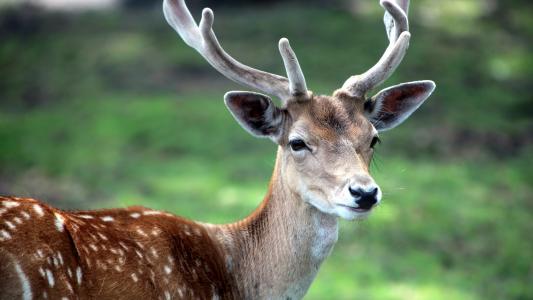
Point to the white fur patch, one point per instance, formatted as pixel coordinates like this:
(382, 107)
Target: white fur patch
(107, 219)
(4, 235)
(50, 278)
(38, 209)
(152, 212)
(168, 270)
(10, 204)
(59, 222)
(78, 275)
(24, 282)
(25, 215)
(10, 225)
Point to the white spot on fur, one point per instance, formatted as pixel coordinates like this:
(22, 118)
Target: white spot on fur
(41, 271)
(10, 204)
(123, 246)
(135, 215)
(25, 215)
(103, 237)
(138, 253)
(152, 213)
(17, 220)
(50, 278)
(167, 295)
(94, 247)
(134, 277)
(4, 235)
(45, 295)
(154, 252)
(107, 219)
(168, 270)
(118, 268)
(69, 287)
(139, 244)
(141, 232)
(86, 217)
(69, 272)
(60, 257)
(38, 209)
(10, 225)
(60, 222)
(78, 275)
(26, 288)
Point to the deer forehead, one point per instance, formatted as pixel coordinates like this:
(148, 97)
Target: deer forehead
(334, 120)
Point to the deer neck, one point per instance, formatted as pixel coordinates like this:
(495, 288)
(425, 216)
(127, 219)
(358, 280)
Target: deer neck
(276, 252)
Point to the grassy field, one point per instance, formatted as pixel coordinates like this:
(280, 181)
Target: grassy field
(111, 109)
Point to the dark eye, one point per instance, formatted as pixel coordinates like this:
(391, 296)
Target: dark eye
(375, 140)
(298, 145)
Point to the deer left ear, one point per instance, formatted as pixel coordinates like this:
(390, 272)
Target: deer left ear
(391, 106)
(256, 113)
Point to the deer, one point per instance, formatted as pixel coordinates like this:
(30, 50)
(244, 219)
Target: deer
(321, 175)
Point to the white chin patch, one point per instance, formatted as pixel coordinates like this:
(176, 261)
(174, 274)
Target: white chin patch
(351, 215)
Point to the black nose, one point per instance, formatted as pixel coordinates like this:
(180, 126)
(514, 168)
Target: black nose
(365, 199)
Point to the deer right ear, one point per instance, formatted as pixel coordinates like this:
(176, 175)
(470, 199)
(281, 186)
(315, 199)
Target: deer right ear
(391, 106)
(256, 113)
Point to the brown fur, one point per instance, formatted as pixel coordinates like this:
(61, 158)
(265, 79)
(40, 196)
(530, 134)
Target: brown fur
(128, 257)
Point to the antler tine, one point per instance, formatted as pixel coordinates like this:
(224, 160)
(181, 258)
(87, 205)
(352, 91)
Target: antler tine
(395, 18)
(203, 39)
(298, 86)
(397, 28)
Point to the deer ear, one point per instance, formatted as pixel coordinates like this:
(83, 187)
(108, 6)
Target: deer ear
(391, 106)
(256, 113)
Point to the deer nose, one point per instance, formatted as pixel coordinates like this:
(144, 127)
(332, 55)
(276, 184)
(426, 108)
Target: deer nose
(365, 199)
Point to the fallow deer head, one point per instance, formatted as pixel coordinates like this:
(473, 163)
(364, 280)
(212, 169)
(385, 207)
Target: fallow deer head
(325, 143)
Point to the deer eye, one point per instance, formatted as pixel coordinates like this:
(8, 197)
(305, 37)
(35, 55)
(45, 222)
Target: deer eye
(375, 140)
(298, 145)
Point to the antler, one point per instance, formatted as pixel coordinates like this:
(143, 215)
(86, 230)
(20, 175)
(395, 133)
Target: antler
(202, 38)
(397, 28)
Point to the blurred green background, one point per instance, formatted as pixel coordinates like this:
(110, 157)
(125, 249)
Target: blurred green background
(108, 107)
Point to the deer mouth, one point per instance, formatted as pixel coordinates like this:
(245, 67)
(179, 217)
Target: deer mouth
(356, 209)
